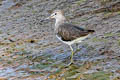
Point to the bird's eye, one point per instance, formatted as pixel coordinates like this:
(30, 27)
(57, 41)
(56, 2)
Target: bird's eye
(55, 13)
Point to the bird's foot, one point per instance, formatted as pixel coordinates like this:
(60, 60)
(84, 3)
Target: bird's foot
(71, 63)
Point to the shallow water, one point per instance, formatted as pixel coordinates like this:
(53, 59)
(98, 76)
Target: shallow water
(30, 51)
(5, 4)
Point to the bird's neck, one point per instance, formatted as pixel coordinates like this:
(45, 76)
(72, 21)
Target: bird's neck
(59, 21)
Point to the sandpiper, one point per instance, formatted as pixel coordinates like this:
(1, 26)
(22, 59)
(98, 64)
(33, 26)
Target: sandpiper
(68, 33)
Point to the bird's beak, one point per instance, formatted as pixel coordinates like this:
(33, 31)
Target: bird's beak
(46, 19)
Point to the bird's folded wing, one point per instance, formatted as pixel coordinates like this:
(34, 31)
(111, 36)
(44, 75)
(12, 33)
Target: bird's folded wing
(69, 32)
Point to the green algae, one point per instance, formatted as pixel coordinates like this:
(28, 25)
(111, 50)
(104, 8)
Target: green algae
(80, 2)
(98, 76)
(99, 39)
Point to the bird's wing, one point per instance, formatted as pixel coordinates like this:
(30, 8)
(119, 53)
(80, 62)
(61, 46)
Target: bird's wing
(69, 32)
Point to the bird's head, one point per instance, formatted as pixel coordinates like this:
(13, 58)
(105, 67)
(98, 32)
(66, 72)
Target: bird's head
(56, 14)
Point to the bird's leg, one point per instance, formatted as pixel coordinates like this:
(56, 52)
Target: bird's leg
(71, 61)
(77, 47)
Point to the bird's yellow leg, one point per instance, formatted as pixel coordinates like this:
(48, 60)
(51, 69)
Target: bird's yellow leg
(72, 56)
(72, 53)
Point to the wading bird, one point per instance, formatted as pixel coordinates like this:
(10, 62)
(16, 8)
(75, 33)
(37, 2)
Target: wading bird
(68, 33)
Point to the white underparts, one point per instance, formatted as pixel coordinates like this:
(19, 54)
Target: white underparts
(78, 40)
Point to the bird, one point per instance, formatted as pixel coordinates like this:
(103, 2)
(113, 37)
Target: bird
(66, 32)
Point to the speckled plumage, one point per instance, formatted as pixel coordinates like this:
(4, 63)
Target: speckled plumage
(69, 32)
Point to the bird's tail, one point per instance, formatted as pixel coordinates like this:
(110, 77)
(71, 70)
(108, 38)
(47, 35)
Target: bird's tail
(91, 31)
